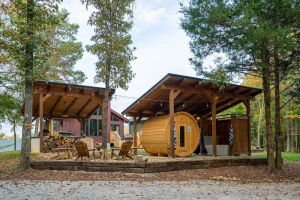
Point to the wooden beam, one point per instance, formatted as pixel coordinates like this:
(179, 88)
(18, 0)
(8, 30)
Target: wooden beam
(41, 109)
(171, 152)
(222, 107)
(55, 104)
(69, 94)
(70, 105)
(83, 107)
(214, 125)
(135, 134)
(178, 104)
(192, 107)
(206, 92)
(60, 116)
(47, 96)
(176, 93)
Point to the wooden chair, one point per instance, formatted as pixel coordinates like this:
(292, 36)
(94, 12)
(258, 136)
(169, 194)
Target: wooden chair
(82, 150)
(123, 151)
(90, 144)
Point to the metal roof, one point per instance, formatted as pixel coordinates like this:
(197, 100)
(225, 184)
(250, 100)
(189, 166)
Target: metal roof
(192, 97)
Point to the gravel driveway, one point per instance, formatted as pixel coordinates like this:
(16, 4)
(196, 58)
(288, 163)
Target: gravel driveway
(204, 189)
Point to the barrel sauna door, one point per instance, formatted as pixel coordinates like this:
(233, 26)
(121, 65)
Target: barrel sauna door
(183, 135)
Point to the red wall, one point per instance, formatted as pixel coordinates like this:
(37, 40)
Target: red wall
(73, 125)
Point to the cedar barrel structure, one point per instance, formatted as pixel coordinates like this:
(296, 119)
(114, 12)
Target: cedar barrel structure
(155, 134)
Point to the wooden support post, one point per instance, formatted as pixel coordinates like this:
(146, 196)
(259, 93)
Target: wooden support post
(41, 109)
(171, 151)
(108, 120)
(247, 104)
(214, 124)
(135, 134)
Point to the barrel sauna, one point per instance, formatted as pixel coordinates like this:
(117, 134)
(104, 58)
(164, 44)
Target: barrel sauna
(155, 134)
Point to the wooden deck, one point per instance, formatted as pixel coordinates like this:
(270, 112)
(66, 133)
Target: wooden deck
(154, 165)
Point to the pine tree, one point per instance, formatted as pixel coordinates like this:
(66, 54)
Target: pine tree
(112, 45)
(246, 35)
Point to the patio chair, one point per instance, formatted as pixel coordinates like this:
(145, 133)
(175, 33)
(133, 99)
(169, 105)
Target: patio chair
(82, 150)
(123, 151)
(90, 144)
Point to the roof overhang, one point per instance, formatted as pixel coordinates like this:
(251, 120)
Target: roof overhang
(193, 95)
(63, 100)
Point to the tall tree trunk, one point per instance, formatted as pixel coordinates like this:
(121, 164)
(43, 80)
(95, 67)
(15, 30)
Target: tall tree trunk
(288, 135)
(260, 121)
(15, 136)
(267, 99)
(105, 114)
(278, 146)
(28, 66)
(292, 141)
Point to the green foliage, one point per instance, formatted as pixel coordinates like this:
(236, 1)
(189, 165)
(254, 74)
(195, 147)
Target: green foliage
(56, 51)
(239, 31)
(112, 41)
(55, 47)
(238, 109)
(10, 108)
(112, 21)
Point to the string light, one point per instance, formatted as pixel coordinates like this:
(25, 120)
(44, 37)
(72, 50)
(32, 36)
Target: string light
(158, 100)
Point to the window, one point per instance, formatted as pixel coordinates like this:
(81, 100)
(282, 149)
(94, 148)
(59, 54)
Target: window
(94, 127)
(114, 119)
(115, 128)
(182, 136)
(57, 125)
(97, 112)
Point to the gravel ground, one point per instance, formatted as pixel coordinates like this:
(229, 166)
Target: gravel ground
(204, 189)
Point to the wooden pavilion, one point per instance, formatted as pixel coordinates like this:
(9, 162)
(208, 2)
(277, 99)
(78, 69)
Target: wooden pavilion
(201, 98)
(63, 100)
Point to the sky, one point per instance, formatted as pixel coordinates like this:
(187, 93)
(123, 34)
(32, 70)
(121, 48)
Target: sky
(161, 46)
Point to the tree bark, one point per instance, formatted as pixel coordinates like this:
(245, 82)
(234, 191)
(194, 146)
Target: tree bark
(105, 114)
(278, 146)
(28, 66)
(267, 99)
(15, 136)
(259, 123)
(288, 135)
(292, 141)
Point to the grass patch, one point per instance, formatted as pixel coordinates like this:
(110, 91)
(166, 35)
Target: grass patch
(9, 162)
(10, 155)
(287, 156)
